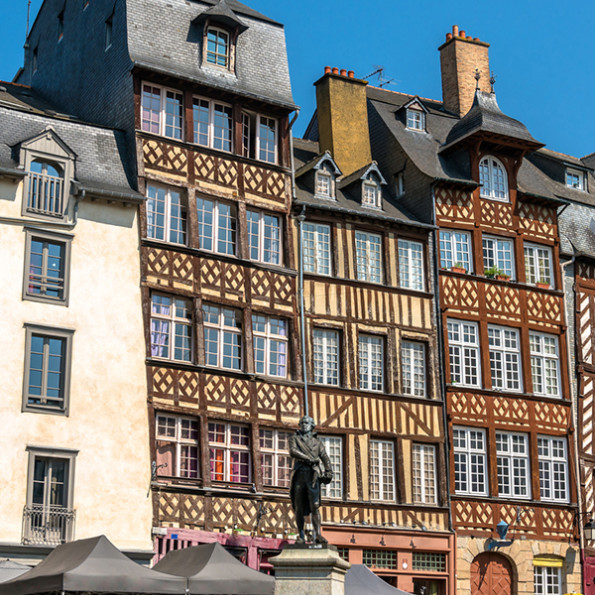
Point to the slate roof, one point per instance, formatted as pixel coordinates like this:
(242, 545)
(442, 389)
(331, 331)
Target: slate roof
(347, 201)
(100, 165)
(262, 71)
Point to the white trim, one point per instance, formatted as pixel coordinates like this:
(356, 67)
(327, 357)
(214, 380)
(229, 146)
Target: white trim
(463, 349)
(494, 187)
(471, 456)
(499, 344)
(517, 464)
(552, 466)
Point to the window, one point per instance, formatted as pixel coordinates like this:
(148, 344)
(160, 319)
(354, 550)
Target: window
(166, 215)
(470, 461)
(400, 184)
(416, 119)
(538, 264)
(553, 468)
(505, 358)
(380, 558)
(547, 580)
(217, 226)
(47, 267)
(259, 137)
(316, 248)
(413, 368)
(492, 179)
(411, 264)
(498, 256)
(171, 328)
(177, 446)
(423, 476)
(109, 26)
(326, 356)
(368, 247)
(223, 337)
(270, 345)
(512, 452)
(45, 189)
(275, 461)
(429, 561)
(162, 111)
(455, 249)
(324, 184)
(264, 237)
(334, 449)
(576, 179)
(48, 515)
(371, 362)
(545, 364)
(47, 369)
(382, 470)
(463, 352)
(217, 47)
(229, 452)
(212, 124)
(370, 194)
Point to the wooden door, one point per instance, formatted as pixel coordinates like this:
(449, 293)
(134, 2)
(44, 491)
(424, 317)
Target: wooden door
(491, 574)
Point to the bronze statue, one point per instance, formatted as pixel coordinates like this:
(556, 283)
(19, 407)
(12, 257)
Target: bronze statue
(311, 467)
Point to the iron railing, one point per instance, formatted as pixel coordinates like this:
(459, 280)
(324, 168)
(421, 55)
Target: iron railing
(46, 195)
(48, 525)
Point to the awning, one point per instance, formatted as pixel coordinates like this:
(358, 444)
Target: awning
(360, 580)
(10, 570)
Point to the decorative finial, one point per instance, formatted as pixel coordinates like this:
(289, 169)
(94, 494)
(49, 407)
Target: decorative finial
(477, 77)
(492, 81)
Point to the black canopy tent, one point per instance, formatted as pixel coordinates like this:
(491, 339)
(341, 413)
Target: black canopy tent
(210, 569)
(360, 580)
(92, 565)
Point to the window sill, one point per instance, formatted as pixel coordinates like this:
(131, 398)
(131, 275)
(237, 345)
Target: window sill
(501, 393)
(504, 500)
(511, 282)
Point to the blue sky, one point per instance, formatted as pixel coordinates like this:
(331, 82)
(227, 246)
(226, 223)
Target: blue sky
(542, 52)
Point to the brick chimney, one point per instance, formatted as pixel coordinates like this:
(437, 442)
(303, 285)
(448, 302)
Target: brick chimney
(343, 119)
(460, 56)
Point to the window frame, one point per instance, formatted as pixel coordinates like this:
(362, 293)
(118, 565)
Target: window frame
(385, 453)
(463, 345)
(168, 214)
(174, 323)
(179, 442)
(227, 34)
(496, 240)
(162, 122)
(543, 357)
(581, 179)
(221, 328)
(452, 250)
(370, 383)
(544, 584)
(337, 482)
(371, 194)
(259, 149)
(323, 173)
(417, 124)
(424, 497)
(406, 261)
(269, 339)
(553, 470)
(492, 193)
(512, 470)
(212, 105)
(317, 249)
(48, 332)
(218, 233)
(411, 373)
(468, 452)
(261, 236)
(227, 446)
(277, 453)
(366, 270)
(325, 361)
(32, 234)
(505, 352)
(530, 253)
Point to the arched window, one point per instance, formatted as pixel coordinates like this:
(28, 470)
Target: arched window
(493, 179)
(46, 188)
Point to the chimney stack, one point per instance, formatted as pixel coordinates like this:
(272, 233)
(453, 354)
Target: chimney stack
(460, 56)
(343, 119)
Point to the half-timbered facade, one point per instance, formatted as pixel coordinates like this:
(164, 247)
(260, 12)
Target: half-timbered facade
(371, 350)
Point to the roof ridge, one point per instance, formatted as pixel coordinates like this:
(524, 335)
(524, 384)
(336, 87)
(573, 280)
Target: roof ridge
(407, 94)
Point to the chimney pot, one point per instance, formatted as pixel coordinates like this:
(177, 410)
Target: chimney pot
(343, 72)
(448, 36)
(462, 34)
(327, 70)
(335, 70)
(351, 74)
(455, 30)
(477, 39)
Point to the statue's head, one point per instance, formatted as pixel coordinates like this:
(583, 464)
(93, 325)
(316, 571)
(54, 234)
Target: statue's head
(307, 424)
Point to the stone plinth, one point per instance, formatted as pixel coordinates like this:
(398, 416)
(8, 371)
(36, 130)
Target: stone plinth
(300, 570)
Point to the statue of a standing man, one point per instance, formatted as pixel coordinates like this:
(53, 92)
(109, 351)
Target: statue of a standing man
(311, 467)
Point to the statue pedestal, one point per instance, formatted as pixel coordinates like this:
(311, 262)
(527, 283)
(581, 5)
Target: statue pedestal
(302, 569)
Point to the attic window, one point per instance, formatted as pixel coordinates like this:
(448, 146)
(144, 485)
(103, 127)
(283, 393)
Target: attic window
(324, 184)
(217, 47)
(575, 179)
(493, 179)
(370, 194)
(416, 119)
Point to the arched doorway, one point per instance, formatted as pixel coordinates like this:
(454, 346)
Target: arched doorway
(491, 574)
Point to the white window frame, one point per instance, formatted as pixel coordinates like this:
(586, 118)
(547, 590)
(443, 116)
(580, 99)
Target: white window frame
(223, 32)
(541, 363)
(162, 123)
(269, 156)
(229, 446)
(470, 457)
(416, 120)
(462, 352)
(424, 482)
(271, 343)
(493, 183)
(452, 242)
(316, 248)
(413, 368)
(513, 465)
(382, 470)
(180, 425)
(553, 469)
(576, 179)
(371, 351)
(223, 332)
(274, 455)
(211, 138)
(547, 580)
(368, 255)
(174, 324)
(258, 241)
(505, 358)
(326, 356)
(333, 445)
(411, 265)
(218, 234)
(371, 194)
(174, 210)
(539, 264)
(493, 248)
(327, 189)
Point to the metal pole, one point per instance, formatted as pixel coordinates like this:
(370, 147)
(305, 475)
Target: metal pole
(301, 217)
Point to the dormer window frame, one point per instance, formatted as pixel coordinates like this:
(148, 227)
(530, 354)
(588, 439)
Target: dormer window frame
(219, 32)
(324, 189)
(371, 194)
(576, 179)
(491, 186)
(416, 120)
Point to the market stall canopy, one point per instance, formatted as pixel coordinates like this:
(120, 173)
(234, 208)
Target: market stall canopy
(210, 569)
(10, 570)
(92, 565)
(360, 580)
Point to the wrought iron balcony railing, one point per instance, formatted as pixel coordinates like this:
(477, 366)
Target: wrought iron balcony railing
(46, 195)
(48, 525)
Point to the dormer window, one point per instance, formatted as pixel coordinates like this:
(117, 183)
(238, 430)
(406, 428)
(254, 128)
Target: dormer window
(325, 187)
(493, 179)
(45, 194)
(576, 179)
(370, 194)
(217, 47)
(416, 119)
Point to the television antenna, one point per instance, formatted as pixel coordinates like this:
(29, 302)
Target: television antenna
(382, 80)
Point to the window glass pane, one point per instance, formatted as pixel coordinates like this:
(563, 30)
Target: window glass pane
(316, 248)
(371, 362)
(173, 114)
(151, 108)
(413, 368)
(326, 356)
(368, 256)
(334, 450)
(411, 270)
(267, 138)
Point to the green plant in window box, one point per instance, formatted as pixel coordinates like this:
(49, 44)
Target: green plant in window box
(458, 267)
(542, 284)
(493, 272)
